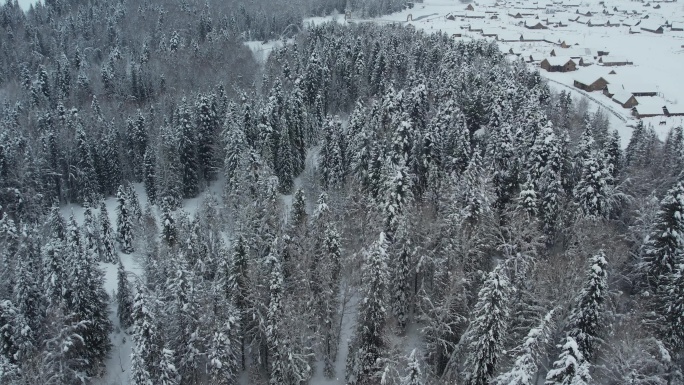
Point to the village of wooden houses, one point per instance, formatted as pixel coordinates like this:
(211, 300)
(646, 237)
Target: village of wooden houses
(627, 56)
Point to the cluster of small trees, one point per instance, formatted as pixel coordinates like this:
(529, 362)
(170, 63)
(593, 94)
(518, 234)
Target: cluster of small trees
(433, 188)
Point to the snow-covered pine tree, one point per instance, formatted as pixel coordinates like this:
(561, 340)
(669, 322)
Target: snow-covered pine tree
(235, 144)
(285, 165)
(585, 320)
(169, 169)
(297, 118)
(397, 196)
(91, 238)
(593, 190)
(571, 368)
(124, 298)
(168, 375)
(237, 290)
(401, 275)
(505, 178)
(88, 187)
(526, 365)
(124, 225)
(673, 307)
(146, 339)
(366, 346)
(488, 328)
(414, 376)
(331, 157)
(169, 232)
(673, 157)
(29, 295)
(207, 132)
(299, 215)
(665, 240)
(189, 163)
(149, 174)
(15, 334)
(614, 156)
(183, 320)
(224, 350)
(61, 358)
(133, 203)
(86, 300)
(107, 250)
(275, 334)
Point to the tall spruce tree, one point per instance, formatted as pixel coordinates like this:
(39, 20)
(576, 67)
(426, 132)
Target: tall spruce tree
(488, 328)
(368, 341)
(107, 250)
(124, 224)
(571, 368)
(665, 240)
(585, 320)
(124, 298)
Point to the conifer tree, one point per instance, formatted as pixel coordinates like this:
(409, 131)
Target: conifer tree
(299, 215)
(585, 320)
(124, 298)
(571, 368)
(673, 307)
(107, 251)
(168, 375)
(189, 164)
(149, 176)
(665, 240)
(146, 337)
(592, 191)
(135, 211)
(124, 225)
(90, 235)
(285, 165)
(224, 361)
(397, 196)
(88, 186)
(330, 160)
(235, 142)
(413, 372)
(365, 348)
(401, 276)
(238, 289)
(526, 365)
(488, 328)
(207, 131)
(169, 231)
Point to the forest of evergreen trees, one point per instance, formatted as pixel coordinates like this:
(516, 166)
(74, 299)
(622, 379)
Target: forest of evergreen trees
(433, 189)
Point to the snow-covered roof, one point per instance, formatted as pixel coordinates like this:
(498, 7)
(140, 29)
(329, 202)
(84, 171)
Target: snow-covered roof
(651, 25)
(632, 87)
(475, 15)
(648, 107)
(509, 36)
(587, 78)
(610, 59)
(622, 97)
(575, 52)
(595, 21)
(675, 109)
(559, 60)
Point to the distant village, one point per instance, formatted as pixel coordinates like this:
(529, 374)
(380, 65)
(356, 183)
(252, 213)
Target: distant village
(536, 32)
